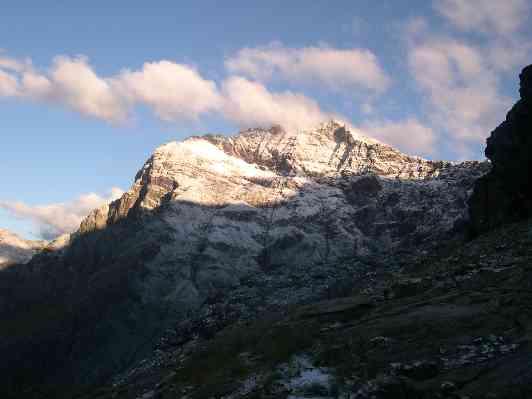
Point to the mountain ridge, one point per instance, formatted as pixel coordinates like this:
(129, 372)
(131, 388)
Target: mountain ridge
(329, 151)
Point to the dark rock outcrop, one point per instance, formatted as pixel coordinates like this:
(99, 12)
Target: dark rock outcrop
(505, 194)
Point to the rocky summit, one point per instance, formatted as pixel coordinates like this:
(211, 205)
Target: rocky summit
(281, 264)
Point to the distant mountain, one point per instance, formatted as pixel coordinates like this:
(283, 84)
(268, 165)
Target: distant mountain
(14, 249)
(219, 229)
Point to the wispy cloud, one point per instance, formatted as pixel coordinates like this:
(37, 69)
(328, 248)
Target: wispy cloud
(8, 84)
(408, 135)
(333, 68)
(55, 219)
(499, 25)
(461, 88)
(493, 17)
(12, 64)
(70, 82)
(460, 69)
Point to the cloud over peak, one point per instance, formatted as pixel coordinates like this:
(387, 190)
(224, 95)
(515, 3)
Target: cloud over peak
(408, 135)
(174, 92)
(336, 69)
(250, 104)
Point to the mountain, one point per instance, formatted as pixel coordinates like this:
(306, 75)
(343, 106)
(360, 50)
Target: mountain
(14, 249)
(268, 216)
(217, 230)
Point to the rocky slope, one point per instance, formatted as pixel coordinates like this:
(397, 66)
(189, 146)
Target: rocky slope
(16, 250)
(217, 230)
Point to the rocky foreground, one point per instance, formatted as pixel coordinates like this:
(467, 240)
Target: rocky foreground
(284, 264)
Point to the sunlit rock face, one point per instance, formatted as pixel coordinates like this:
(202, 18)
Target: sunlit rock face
(15, 250)
(266, 199)
(505, 194)
(221, 170)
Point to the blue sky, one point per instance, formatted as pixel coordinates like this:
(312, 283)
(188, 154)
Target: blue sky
(89, 89)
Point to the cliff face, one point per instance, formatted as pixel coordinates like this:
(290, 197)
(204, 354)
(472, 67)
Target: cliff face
(505, 194)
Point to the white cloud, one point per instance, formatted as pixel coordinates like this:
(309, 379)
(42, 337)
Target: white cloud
(509, 55)
(499, 23)
(13, 64)
(173, 91)
(55, 219)
(8, 84)
(75, 84)
(460, 85)
(70, 82)
(37, 86)
(250, 104)
(335, 68)
(499, 17)
(408, 135)
(461, 76)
